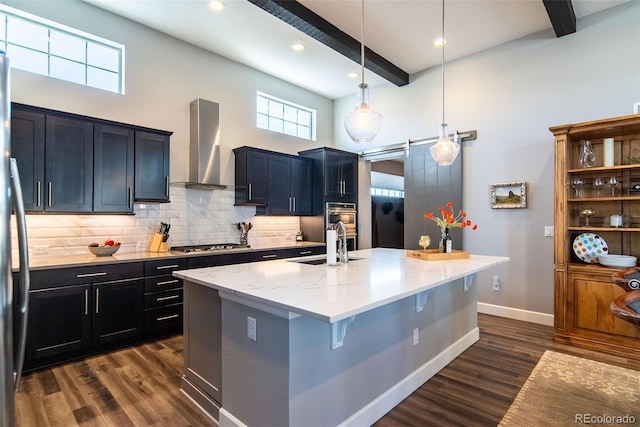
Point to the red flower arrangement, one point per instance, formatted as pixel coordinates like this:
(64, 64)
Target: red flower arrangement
(448, 220)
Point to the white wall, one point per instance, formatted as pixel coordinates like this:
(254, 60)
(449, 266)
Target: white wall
(511, 95)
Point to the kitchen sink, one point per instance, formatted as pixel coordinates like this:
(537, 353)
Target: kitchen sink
(318, 261)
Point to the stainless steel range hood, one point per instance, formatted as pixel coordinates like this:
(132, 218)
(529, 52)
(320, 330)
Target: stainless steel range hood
(204, 145)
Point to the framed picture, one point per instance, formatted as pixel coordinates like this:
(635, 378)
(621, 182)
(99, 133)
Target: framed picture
(509, 196)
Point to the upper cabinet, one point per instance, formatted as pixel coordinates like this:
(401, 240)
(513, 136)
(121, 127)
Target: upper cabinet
(251, 176)
(70, 163)
(277, 183)
(152, 167)
(113, 169)
(597, 212)
(335, 176)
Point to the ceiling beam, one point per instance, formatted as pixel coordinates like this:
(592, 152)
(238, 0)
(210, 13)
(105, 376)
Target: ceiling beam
(561, 15)
(312, 24)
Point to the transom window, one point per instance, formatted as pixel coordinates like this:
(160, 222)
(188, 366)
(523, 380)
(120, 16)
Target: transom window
(44, 47)
(285, 117)
(384, 192)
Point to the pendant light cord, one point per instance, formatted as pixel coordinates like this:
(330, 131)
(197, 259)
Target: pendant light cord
(443, 43)
(362, 40)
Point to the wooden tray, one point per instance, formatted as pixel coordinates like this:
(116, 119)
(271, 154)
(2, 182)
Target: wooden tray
(434, 255)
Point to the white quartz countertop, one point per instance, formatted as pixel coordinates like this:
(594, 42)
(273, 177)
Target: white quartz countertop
(334, 293)
(75, 260)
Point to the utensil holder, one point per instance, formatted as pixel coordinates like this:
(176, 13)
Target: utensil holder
(157, 245)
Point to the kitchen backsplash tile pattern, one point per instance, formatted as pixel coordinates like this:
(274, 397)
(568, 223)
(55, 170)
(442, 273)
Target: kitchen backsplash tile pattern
(196, 217)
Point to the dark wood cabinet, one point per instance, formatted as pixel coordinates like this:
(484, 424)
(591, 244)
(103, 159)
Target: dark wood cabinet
(59, 322)
(251, 176)
(27, 146)
(151, 166)
(163, 296)
(68, 165)
(113, 169)
(335, 176)
(118, 310)
(289, 186)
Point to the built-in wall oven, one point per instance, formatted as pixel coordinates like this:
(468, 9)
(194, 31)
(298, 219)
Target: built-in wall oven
(347, 213)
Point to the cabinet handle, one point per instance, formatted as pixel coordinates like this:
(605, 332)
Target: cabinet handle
(49, 195)
(290, 210)
(305, 252)
(38, 193)
(173, 316)
(166, 186)
(167, 282)
(269, 256)
(86, 302)
(164, 267)
(294, 204)
(167, 298)
(130, 198)
(80, 276)
(98, 301)
(249, 191)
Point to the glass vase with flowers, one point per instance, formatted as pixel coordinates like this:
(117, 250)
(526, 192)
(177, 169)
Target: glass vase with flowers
(449, 220)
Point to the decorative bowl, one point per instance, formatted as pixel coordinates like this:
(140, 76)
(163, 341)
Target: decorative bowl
(103, 250)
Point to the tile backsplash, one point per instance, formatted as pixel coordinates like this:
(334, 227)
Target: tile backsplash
(196, 217)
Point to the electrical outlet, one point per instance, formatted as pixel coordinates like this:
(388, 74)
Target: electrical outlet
(495, 282)
(416, 336)
(548, 231)
(251, 328)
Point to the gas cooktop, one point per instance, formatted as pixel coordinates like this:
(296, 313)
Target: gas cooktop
(208, 247)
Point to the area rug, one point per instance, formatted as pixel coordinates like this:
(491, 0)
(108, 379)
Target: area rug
(565, 390)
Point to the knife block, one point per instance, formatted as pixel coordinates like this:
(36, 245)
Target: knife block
(157, 245)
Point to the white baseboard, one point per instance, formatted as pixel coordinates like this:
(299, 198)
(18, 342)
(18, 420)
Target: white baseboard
(373, 411)
(516, 313)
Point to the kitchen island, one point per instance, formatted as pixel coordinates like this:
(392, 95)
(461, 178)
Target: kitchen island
(288, 342)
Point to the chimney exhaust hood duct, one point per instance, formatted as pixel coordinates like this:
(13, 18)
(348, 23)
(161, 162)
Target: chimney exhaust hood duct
(204, 145)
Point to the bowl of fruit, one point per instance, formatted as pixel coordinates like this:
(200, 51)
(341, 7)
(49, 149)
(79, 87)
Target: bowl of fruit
(109, 248)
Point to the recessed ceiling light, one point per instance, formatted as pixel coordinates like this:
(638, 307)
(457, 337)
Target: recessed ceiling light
(298, 47)
(352, 76)
(440, 42)
(216, 5)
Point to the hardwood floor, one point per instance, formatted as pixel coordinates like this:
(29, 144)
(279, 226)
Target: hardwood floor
(139, 386)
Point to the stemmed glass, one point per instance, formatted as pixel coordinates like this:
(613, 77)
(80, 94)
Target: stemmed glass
(577, 184)
(598, 183)
(424, 241)
(613, 183)
(586, 213)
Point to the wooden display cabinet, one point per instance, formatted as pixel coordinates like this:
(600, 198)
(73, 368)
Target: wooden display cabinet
(584, 291)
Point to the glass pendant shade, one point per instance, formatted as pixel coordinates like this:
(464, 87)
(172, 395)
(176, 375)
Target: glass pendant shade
(363, 124)
(445, 151)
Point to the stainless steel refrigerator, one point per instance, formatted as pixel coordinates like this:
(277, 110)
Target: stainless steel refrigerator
(13, 299)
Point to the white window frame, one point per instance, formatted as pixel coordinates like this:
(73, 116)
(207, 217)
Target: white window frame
(86, 37)
(268, 117)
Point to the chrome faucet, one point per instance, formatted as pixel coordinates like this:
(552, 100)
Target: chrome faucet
(341, 235)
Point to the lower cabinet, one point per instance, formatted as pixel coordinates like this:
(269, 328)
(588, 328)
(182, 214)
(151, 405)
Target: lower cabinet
(117, 310)
(163, 312)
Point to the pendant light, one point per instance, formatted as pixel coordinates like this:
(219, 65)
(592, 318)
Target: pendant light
(362, 124)
(445, 151)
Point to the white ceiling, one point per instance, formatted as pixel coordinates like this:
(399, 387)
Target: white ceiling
(402, 31)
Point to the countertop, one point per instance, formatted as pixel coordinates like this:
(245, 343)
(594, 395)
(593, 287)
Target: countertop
(334, 293)
(42, 262)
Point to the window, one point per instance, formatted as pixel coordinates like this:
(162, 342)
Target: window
(285, 117)
(387, 193)
(44, 47)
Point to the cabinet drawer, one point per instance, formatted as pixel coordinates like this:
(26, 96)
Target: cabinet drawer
(164, 266)
(163, 318)
(159, 299)
(297, 252)
(267, 255)
(48, 278)
(161, 283)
